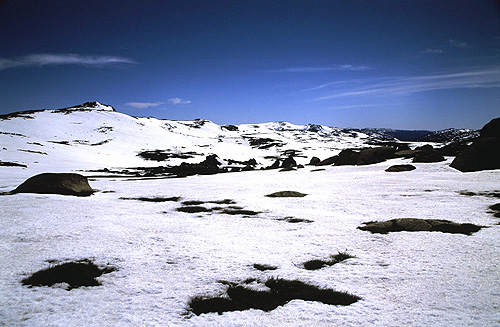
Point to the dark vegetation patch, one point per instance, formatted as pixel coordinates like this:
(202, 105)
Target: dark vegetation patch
(294, 220)
(162, 155)
(491, 194)
(193, 209)
(100, 143)
(496, 210)
(12, 164)
(495, 207)
(286, 194)
(262, 267)
(419, 225)
(334, 259)
(20, 114)
(192, 203)
(33, 151)
(60, 142)
(279, 292)
(75, 274)
(12, 134)
(263, 142)
(155, 199)
(243, 212)
(225, 201)
(399, 168)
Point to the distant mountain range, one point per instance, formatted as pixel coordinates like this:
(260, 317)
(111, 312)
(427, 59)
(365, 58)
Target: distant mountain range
(442, 136)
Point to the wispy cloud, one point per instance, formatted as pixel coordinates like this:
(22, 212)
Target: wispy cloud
(485, 77)
(432, 51)
(144, 105)
(320, 69)
(458, 44)
(178, 101)
(62, 59)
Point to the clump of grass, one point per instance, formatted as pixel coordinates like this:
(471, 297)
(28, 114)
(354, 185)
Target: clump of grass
(75, 274)
(334, 259)
(279, 292)
(264, 267)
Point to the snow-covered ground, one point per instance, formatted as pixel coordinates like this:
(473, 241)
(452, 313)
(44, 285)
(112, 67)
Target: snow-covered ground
(165, 257)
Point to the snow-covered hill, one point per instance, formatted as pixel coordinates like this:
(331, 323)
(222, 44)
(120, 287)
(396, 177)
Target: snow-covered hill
(95, 136)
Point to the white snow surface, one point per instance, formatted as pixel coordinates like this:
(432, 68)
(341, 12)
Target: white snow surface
(165, 257)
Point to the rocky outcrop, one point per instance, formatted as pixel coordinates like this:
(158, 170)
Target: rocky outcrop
(483, 153)
(56, 183)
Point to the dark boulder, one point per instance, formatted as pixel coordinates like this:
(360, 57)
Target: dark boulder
(482, 154)
(327, 161)
(275, 165)
(314, 161)
(375, 155)
(427, 155)
(289, 163)
(399, 168)
(491, 129)
(347, 157)
(56, 183)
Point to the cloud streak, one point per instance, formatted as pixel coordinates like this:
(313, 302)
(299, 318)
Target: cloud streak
(321, 69)
(62, 59)
(458, 44)
(176, 101)
(144, 105)
(486, 77)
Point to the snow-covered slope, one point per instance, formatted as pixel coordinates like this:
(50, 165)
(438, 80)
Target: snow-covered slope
(94, 136)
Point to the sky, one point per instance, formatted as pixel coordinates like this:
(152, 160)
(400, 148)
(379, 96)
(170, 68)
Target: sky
(419, 64)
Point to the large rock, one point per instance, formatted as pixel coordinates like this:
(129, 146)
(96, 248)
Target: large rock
(347, 157)
(375, 155)
(427, 156)
(483, 153)
(492, 129)
(56, 183)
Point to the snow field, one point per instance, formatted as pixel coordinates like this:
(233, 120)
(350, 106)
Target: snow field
(165, 257)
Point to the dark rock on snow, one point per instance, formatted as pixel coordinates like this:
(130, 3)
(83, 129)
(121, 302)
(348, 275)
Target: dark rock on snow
(286, 194)
(314, 161)
(56, 183)
(399, 168)
(483, 153)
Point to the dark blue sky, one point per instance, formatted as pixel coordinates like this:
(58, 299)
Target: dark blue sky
(394, 63)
